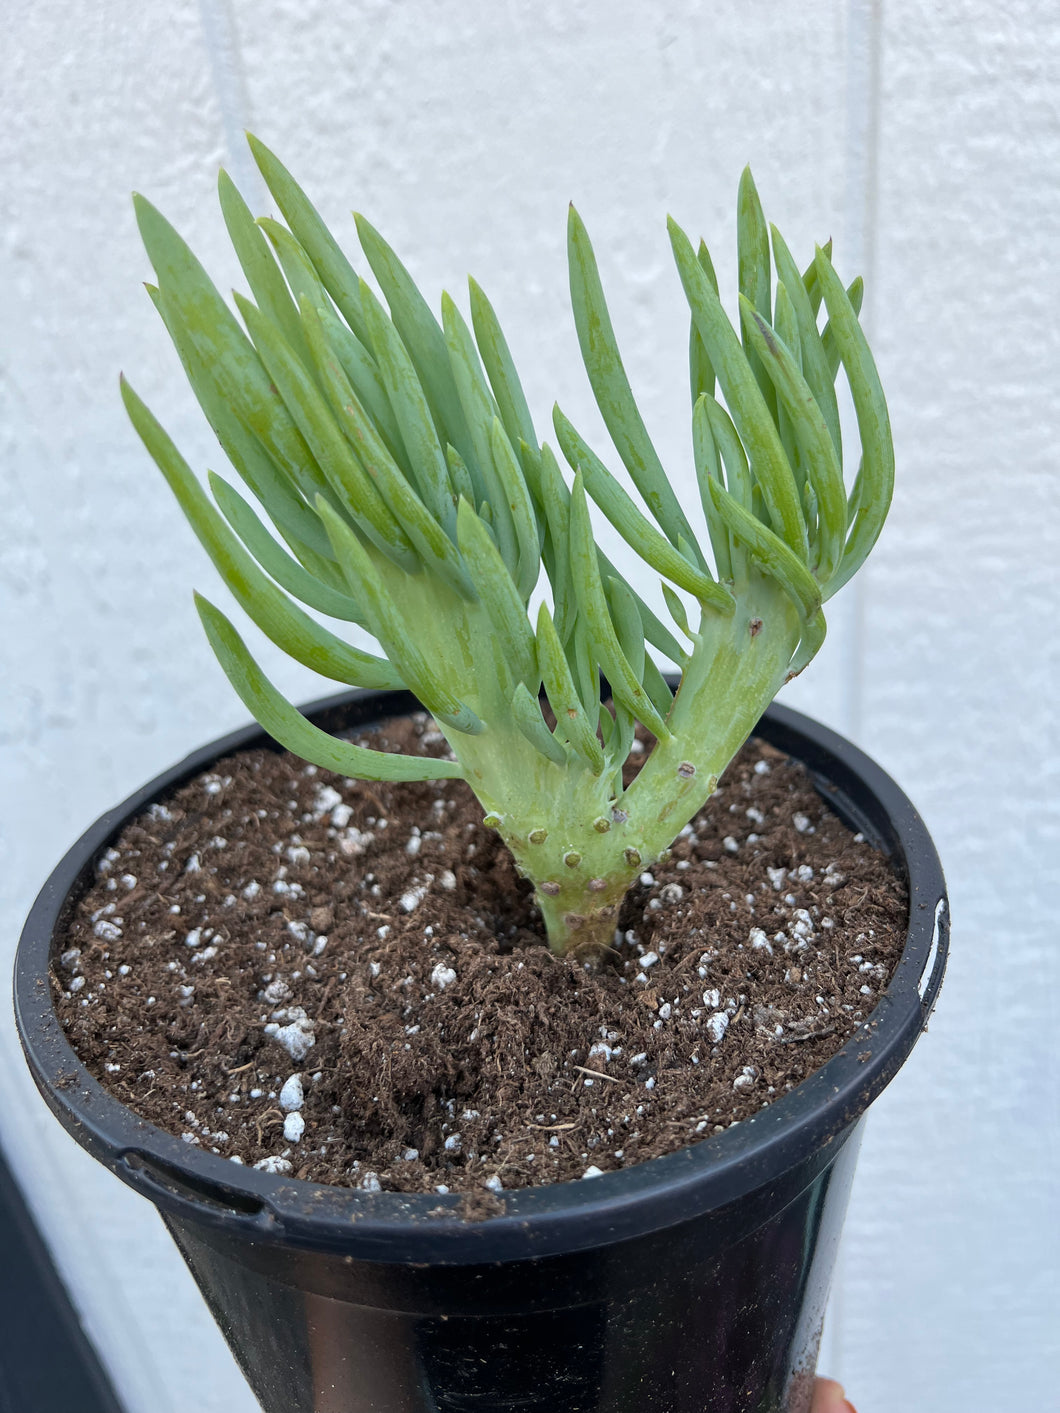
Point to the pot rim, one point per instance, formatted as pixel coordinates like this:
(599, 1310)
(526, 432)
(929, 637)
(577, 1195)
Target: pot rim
(191, 1183)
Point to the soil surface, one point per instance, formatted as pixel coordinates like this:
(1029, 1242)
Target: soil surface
(346, 981)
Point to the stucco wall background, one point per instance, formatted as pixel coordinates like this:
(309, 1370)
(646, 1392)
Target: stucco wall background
(925, 137)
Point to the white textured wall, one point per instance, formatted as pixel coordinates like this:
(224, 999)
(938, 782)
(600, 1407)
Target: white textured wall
(924, 136)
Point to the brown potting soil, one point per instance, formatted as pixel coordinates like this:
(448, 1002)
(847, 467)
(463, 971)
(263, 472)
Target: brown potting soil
(347, 982)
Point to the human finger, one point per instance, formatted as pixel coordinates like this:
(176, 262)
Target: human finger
(829, 1397)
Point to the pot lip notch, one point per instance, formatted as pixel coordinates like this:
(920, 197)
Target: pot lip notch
(559, 1218)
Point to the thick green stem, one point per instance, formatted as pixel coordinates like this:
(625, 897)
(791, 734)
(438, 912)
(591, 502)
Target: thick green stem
(579, 844)
(561, 827)
(736, 670)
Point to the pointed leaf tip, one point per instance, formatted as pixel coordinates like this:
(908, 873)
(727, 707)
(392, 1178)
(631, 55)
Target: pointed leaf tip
(676, 233)
(575, 224)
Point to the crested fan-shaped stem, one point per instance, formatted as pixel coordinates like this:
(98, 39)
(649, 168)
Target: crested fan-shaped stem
(551, 816)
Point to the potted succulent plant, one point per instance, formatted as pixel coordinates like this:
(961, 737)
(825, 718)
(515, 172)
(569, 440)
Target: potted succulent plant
(405, 490)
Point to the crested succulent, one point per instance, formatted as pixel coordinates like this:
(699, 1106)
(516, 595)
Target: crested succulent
(401, 487)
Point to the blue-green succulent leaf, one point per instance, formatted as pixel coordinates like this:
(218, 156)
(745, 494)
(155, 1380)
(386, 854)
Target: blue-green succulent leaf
(357, 363)
(811, 433)
(708, 464)
(300, 636)
(877, 462)
(813, 634)
(700, 369)
(814, 360)
(677, 608)
(575, 718)
(280, 496)
(520, 507)
(289, 727)
(275, 560)
(336, 273)
(421, 336)
(388, 625)
(635, 528)
(749, 409)
(369, 454)
(596, 618)
(752, 248)
(855, 293)
(504, 380)
(267, 283)
(426, 457)
(772, 555)
(611, 388)
(514, 643)
(350, 485)
(526, 713)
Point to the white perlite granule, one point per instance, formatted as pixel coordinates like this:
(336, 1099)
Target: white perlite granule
(410, 901)
(353, 843)
(759, 941)
(297, 1037)
(327, 799)
(280, 1166)
(292, 1096)
(717, 1025)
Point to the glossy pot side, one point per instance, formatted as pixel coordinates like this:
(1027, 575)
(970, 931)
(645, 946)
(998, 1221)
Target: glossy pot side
(721, 1314)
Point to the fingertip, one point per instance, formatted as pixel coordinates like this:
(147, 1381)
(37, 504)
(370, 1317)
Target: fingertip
(829, 1396)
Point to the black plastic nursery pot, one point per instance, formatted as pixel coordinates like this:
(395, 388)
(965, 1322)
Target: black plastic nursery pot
(692, 1283)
